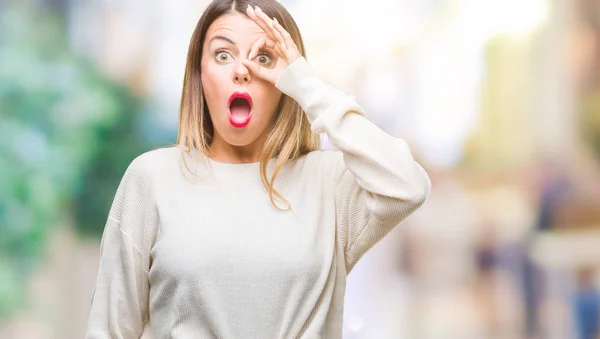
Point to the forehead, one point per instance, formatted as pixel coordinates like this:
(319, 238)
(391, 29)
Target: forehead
(235, 26)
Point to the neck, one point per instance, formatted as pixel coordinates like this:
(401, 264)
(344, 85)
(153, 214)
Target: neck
(222, 151)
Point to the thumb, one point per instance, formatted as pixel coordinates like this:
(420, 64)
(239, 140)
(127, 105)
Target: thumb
(259, 71)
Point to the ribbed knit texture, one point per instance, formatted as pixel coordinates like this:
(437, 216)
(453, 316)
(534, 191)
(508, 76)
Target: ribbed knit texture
(206, 255)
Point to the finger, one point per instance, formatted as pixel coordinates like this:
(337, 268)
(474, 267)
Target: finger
(284, 34)
(273, 32)
(261, 43)
(292, 51)
(250, 12)
(259, 71)
(281, 51)
(259, 19)
(282, 45)
(278, 35)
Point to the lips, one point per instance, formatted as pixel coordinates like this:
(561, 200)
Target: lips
(240, 109)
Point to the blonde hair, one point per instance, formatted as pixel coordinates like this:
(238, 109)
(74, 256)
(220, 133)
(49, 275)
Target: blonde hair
(289, 136)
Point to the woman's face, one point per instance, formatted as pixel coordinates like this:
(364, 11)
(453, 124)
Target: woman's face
(241, 105)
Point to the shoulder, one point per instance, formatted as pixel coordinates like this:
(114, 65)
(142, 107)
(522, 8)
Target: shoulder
(152, 163)
(157, 158)
(135, 206)
(136, 189)
(143, 171)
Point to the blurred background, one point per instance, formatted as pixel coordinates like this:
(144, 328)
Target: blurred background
(499, 100)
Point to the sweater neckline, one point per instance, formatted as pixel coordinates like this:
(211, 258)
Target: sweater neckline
(234, 171)
(217, 163)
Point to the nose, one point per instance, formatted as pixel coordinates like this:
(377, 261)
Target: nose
(241, 74)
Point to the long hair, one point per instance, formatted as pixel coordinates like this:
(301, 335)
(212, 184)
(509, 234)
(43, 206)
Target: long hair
(289, 136)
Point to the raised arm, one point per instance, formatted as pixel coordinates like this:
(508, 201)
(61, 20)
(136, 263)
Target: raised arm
(380, 183)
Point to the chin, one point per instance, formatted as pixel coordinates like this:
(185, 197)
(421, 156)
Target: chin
(238, 142)
(239, 138)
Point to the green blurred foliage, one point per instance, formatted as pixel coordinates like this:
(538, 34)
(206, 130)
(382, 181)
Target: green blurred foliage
(67, 134)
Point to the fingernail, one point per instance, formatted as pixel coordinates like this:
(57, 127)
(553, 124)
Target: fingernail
(275, 19)
(257, 9)
(249, 7)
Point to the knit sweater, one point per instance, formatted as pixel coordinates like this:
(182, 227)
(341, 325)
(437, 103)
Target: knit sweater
(193, 248)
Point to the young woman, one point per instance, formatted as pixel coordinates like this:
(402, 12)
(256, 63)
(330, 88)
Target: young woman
(246, 229)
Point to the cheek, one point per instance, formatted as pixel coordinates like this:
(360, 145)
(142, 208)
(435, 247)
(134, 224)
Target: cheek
(212, 82)
(271, 96)
(208, 76)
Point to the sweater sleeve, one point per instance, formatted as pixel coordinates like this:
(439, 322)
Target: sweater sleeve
(119, 307)
(380, 183)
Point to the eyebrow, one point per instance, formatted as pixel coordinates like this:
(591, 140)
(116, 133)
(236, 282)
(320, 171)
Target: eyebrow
(220, 37)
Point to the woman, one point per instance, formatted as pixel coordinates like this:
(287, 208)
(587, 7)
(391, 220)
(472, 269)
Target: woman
(246, 229)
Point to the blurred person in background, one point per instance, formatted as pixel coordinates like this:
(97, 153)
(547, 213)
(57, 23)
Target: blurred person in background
(554, 189)
(245, 228)
(486, 257)
(586, 305)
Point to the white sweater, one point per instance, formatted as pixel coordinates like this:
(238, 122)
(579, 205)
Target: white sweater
(210, 257)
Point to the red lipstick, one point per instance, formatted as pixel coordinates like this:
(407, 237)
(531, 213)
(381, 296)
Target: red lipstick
(240, 109)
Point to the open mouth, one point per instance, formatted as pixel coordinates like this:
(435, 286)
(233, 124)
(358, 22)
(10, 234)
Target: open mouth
(240, 109)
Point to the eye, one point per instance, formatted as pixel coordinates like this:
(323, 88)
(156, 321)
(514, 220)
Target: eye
(222, 56)
(263, 59)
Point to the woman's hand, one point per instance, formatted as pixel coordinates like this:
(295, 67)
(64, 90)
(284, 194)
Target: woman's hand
(278, 40)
